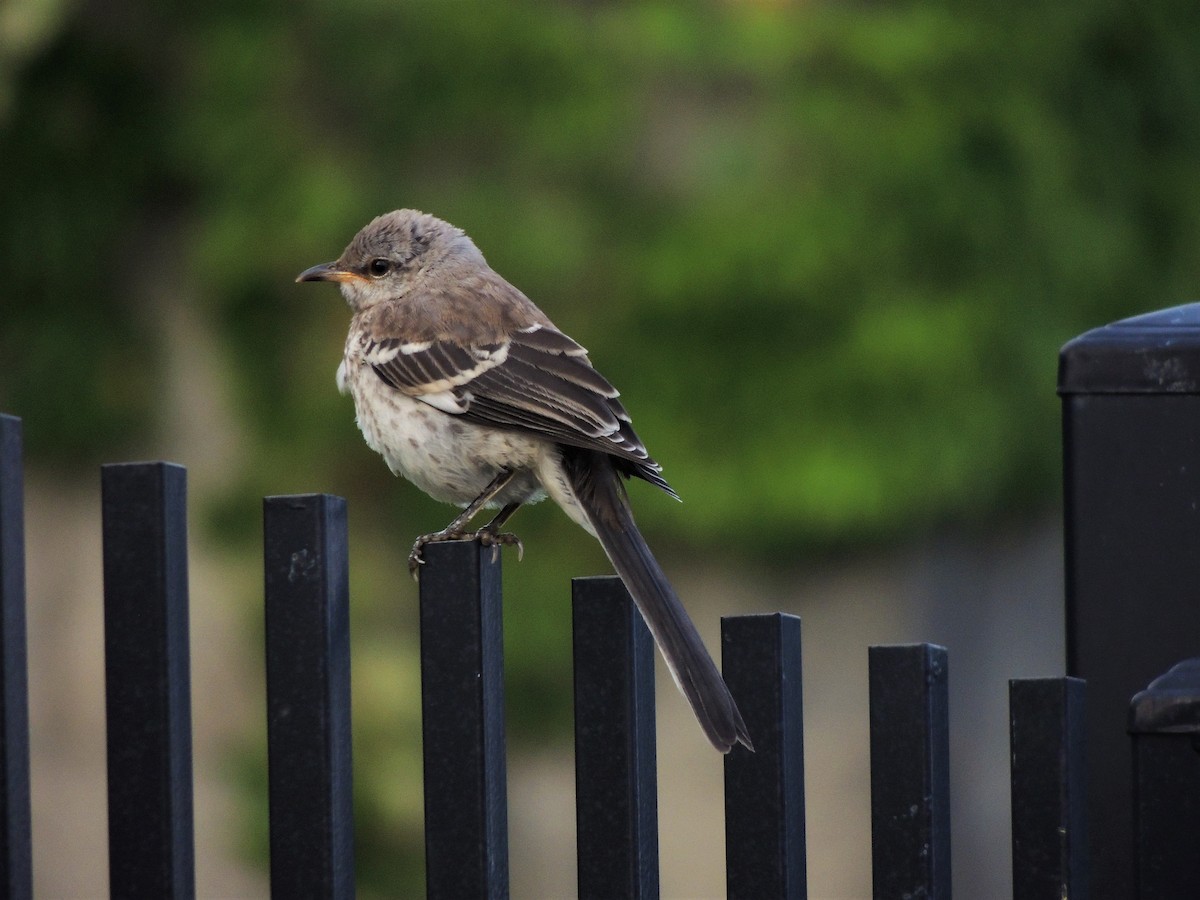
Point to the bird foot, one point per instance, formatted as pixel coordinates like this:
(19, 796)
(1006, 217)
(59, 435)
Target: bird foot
(415, 556)
(490, 537)
(486, 536)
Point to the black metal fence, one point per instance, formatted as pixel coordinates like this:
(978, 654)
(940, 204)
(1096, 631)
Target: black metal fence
(308, 706)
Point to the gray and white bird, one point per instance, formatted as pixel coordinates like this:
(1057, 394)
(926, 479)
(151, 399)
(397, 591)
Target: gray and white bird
(468, 390)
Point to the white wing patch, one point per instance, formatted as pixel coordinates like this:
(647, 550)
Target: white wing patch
(447, 402)
(374, 354)
(553, 341)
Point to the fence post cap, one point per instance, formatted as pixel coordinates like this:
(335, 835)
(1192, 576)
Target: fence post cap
(1170, 704)
(1154, 353)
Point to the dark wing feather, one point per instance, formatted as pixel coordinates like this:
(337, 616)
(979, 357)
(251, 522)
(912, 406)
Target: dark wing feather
(522, 383)
(428, 366)
(539, 381)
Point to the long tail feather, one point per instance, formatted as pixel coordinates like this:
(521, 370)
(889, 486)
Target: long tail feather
(600, 492)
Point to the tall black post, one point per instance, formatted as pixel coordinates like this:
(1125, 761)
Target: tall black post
(1131, 478)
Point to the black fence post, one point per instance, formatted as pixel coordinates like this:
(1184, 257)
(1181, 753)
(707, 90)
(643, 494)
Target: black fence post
(616, 780)
(1164, 721)
(1049, 808)
(1131, 460)
(147, 684)
(306, 574)
(764, 790)
(462, 711)
(910, 771)
(16, 874)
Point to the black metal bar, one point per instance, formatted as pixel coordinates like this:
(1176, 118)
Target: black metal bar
(910, 771)
(1131, 479)
(16, 874)
(1049, 805)
(462, 711)
(147, 690)
(306, 570)
(616, 779)
(1164, 721)
(764, 790)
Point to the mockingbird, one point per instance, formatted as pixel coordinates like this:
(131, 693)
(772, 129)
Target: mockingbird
(469, 391)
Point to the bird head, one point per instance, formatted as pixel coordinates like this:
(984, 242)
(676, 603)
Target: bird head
(391, 255)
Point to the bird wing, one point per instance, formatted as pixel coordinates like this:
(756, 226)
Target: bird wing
(536, 380)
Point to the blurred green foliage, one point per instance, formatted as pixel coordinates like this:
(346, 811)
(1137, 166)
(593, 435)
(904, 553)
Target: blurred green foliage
(828, 251)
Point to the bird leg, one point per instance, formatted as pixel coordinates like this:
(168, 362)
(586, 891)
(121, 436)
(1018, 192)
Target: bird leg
(489, 535)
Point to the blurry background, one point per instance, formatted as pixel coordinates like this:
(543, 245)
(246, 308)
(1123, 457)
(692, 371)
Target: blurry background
(827, 251)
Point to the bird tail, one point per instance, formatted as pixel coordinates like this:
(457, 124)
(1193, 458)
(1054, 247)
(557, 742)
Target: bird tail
(601, 494)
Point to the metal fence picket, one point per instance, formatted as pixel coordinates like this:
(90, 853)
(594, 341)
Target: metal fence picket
(16, 873)
(147, 683)
(764, 790)
(616, 779)
(1049, 825)
(910, 771)
(462, 709)
(306, 571)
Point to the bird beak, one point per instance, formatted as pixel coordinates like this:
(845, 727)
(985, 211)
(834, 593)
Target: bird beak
(330, 271)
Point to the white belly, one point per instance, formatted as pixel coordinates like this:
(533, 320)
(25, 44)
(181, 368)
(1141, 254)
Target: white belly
(448, 458)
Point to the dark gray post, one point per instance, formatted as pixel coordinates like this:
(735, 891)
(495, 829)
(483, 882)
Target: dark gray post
(1049, 812)
(306, 574)
(16, 879)
(462, 715)
(1164, 721)
(764, 790)
(147, 681)
(616, 779)
(1131, 480)
(910, 771)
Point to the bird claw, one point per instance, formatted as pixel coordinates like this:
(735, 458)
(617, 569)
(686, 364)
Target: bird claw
(497, 539)
(416, 558)
(486, 536)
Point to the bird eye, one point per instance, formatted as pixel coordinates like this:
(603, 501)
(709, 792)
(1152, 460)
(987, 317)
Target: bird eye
(379, 267)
